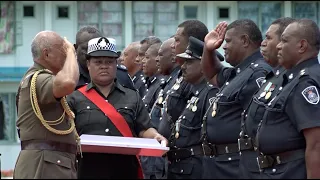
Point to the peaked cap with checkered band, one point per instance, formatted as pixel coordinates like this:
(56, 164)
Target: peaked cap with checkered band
(102, 46)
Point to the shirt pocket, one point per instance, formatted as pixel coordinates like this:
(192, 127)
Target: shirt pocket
(276, 112)
(86, 114)
(187, 125)
(175, 105)
(129, 114)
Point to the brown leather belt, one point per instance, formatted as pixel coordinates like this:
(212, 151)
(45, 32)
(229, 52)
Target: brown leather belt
(266, 161)
(183, 153)
(48, 145)
(219, 149)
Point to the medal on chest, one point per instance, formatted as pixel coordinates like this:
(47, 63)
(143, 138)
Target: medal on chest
(214, 108)
(178, 122)
(270, 90)
(267, 92)
(176, 86)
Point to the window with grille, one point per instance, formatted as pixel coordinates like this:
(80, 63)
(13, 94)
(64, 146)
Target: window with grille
(305, 9)
(107, 16)
(262, 13)
(7, 27)
(158, 18)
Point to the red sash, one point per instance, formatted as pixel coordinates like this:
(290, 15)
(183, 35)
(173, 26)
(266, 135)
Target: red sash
(116, 118)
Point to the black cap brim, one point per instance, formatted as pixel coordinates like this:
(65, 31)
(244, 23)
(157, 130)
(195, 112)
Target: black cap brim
(103, 53)
(186, 56)
(220, 57)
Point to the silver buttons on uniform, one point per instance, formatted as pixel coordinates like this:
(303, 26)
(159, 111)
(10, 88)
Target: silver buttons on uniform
(88, 107)
(274, 170)
(181, 170)
(291, 76)
(229, 158)
(107, 130)
(58, 161)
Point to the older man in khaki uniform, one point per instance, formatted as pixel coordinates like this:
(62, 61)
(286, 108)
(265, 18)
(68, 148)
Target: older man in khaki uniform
(45, 122)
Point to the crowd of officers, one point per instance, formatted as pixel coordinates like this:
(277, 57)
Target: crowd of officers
(258, 119)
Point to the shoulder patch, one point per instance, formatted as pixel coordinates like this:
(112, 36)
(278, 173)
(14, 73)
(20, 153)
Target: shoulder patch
(311, 94)
(260, 81)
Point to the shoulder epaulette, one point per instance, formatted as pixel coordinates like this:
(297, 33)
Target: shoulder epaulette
(303, 72)
(261, 65)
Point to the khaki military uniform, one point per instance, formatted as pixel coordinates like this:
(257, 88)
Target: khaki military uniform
(42, 160)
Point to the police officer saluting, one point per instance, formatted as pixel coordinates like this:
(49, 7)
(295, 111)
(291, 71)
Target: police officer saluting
(185, 160)
(253, 115)
(221, 126)
(288, 135)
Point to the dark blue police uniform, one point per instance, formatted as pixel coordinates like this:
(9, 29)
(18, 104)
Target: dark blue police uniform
(221, 126)
(157, 109)
(139, 82)
(177, 98)
(294, 106)
(153, 85)
(157, 166)
(249, 123)
(185, 155)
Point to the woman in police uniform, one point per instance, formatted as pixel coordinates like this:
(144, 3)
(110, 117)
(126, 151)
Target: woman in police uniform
(90, 119)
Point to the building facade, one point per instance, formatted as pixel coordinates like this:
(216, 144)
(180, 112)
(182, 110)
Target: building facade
(126, 21)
